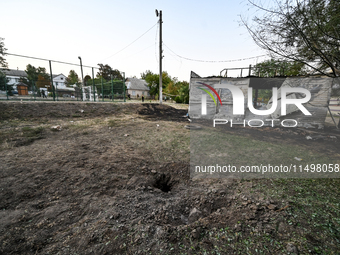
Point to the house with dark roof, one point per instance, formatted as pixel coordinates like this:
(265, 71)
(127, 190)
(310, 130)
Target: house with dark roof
(13, 76)
(137, 88)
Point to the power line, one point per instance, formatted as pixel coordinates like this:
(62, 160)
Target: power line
(130, 43)
(61, 62)
(139, 51)
(213, 61)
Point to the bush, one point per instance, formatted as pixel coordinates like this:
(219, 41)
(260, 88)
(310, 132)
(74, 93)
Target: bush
(178, 100)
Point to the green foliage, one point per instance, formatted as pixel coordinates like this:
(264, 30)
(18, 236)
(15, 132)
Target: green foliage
(272, 67)
(153, 81)
(179, 91)
(117, 86)
(34, 74)
(183, 92)
(4, 84)
(3, 81)
(107, 73)
(306, 31)
(263, 94)
(72, 79)
(86, 79)
(3, 62)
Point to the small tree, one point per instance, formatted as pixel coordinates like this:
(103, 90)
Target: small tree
(86, 80)
(153, 81)
(72, 79)
(33, 74)
(106, 72)
(183, 92)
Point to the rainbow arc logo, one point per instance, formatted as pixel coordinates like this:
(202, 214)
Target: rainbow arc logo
(209, 93)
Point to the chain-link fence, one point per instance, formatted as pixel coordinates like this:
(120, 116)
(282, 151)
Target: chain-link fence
(105, 91)
(35, 81)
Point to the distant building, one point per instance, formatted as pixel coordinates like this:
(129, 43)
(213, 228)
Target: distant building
(59, 81)
(22, 89)
(137, 87)
(60, 86)
(14, 76)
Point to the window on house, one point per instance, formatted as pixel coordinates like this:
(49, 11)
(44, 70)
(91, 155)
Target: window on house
(56, 83)
(133, 92)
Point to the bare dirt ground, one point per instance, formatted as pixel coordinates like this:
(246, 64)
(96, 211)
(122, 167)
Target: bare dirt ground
(115, 180)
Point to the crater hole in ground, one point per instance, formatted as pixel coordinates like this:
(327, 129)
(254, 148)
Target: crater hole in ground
(163, 182)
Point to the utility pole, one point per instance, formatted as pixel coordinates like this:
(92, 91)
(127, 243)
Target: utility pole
(160, 56)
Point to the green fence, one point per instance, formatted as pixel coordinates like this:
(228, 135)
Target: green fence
(113, 90)
(103, 92)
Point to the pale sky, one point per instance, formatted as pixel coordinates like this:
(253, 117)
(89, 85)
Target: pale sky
(96, 30)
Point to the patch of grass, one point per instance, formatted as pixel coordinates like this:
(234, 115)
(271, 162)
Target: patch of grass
(77, 115)
(313, 212)
(210, 147)
(5, 135)
(112, 123)
(30, 132)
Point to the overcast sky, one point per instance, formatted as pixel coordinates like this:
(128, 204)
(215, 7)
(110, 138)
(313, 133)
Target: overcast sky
(96, 30)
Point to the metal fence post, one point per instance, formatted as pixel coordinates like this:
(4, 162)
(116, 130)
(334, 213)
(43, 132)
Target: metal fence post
(94, 92)
(124, 85)
(34, 90)
(6, 88)
(53, 90)
(112, 87)
(102, 90)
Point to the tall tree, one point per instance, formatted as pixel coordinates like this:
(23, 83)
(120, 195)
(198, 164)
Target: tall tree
(106, 71)
(72, 79)
(3, 62)
(4, 82)
(306, 31)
